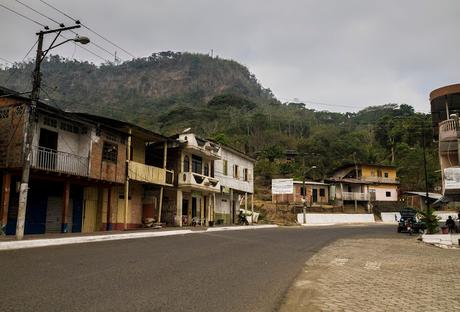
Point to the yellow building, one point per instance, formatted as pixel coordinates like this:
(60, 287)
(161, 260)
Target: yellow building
(365, 183)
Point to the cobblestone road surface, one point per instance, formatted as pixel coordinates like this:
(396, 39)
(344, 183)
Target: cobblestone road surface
(378, 275)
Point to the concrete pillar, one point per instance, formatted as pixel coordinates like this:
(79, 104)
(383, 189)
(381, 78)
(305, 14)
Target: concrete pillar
(65, 208)
(189, 209)
(232, 212)
(179, 208)
(6, 187)
(128, 158)
(201, 209)
(252, 205)
(160, 204)
(109, 210)
(213, 206)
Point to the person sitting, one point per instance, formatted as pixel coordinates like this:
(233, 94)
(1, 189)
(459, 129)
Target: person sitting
(450, 223)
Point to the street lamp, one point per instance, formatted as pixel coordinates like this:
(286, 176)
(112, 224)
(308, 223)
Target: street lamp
(305, 191)
(29, 117)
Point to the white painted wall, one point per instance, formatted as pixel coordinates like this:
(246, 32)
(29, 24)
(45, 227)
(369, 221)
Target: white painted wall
(228, 180)
(380, 193)
(390, 216)
(222, 203)
(73, 143)
(325, 218)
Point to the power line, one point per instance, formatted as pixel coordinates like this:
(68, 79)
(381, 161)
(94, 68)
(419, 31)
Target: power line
(61, 25)
(5, 60)
(88, 28)
(22, 15)
(25, 56)
(88, 50)
(39, 13)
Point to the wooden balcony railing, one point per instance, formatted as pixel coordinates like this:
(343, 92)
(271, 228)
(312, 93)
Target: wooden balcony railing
(380, 180)
(150, 174)
(51, 160)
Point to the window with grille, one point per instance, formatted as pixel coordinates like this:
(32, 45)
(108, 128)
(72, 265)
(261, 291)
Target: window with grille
(110, 152)
(4, 113)
(388, 194)
(69, 127)
(50, 122)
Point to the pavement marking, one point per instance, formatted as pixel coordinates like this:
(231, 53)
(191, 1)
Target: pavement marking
(44, 242)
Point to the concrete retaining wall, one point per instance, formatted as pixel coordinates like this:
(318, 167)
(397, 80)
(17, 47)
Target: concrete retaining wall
(324, 218)
(445, 214)
(390, 216)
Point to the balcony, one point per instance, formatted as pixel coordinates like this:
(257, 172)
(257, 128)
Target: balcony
(150, 174)
(198, 181)
(355, 196)
(51, 160)
(448, 130)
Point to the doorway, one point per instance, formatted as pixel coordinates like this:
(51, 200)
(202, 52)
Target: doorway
(315, 195)
(194, 202)
(47, 149)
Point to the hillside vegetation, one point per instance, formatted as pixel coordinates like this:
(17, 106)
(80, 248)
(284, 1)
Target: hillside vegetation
(168, 92)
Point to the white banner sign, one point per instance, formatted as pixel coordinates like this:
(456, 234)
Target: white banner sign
(282, 186)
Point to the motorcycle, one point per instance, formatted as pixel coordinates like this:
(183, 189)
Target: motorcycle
(242, 219)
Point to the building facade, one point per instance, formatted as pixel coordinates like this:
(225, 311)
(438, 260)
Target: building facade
(317, 195)
(445, 109)
(235, 172)
(364, 184)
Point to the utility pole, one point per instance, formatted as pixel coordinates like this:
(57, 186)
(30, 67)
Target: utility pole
(29, 119)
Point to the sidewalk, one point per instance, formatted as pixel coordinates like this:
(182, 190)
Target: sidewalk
(33, 241)
(394, 274)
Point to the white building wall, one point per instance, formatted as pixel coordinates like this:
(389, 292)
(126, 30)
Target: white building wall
(380, 193)
(68, 142)
(228, 180)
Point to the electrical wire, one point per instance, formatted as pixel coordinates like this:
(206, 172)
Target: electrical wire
(5, 60)
(23, 59)
(39, 13)
(60, 24)
(22, 15)
(88, 28)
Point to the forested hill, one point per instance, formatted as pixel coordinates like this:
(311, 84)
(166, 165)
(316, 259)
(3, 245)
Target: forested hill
(168, 92)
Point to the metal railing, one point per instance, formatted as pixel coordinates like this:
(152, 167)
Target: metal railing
(448, 129)
(51, 160)
(355, 196)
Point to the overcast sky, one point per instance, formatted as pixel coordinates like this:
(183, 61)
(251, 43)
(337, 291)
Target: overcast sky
(339, 55)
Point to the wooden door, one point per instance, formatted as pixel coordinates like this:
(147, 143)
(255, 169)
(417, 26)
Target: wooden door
(90, 210)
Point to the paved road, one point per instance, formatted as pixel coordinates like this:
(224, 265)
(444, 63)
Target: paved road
(222, 271)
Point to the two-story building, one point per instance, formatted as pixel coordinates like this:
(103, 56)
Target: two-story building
(445, 110)
(88, 173)
(192, 160)
(235, 172)
(71, 166)
(363, 184)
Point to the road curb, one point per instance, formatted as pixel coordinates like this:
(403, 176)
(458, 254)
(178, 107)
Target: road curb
(45, 242)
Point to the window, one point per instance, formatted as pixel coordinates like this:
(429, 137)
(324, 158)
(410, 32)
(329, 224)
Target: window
(225, 164)
(186, 164)
(388, 194)
(110, 152)
(69, 127)
(50, 122)
(322, 192)
(246, 174)
(206, 169)
(385, 174)
(197, 163)
(302, 191)
(4, 113)
(235, 172)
